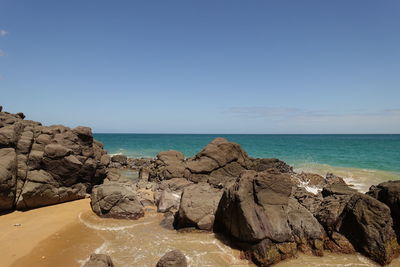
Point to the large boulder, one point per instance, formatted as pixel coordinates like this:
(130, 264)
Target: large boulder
(354, 221)
(99, 260)
(389, 193)
(116, 200)
(174, 258)
(368, 225)
(198, 205)
(44, 165)
(259, 214)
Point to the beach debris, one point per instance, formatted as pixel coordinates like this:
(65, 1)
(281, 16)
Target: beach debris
(17, 224)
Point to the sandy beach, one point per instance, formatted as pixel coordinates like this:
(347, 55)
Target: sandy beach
(24, 235)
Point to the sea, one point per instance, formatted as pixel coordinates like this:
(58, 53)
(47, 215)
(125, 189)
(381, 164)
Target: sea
(362, 160)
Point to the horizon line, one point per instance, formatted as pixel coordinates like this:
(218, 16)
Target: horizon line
(254, 133)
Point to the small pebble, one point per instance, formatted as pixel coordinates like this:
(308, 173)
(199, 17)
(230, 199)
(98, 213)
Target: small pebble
(17, 224)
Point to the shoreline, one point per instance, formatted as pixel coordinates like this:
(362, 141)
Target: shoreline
(25, 231)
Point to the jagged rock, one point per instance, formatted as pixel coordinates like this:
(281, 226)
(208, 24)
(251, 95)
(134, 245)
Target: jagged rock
(174, 258)
(116, 200)
(389, 193)
(259, 214)
(198, 205)
(99, 260)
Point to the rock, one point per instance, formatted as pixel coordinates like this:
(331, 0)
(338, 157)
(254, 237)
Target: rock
(266, 164)
(99, 260)
(330, 178)
(174, 258)
(144, 174)
(219, 164)
(198, 205)
(168, 165)
(389, 193)
(8, 178)
(260, 216)
(311, 179)
(168, 220)
(374, 236)
(21, 115)
(116, 200)
(121, 159)
(338, 189)
(168, 200)
(174, 184)
(309, 200)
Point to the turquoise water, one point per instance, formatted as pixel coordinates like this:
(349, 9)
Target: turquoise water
(378, 152)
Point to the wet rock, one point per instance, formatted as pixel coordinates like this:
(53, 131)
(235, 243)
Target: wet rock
(116, 200)
(368, 225)
(389, 193)
(99, 260)
(259, 213)
(168, 220)
(174, 258)
(198, 205)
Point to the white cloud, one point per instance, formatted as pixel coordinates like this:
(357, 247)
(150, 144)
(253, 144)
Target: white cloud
(3, 32)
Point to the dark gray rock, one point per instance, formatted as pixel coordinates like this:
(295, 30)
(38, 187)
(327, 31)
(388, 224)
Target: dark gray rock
(389, 193)
(259, 214)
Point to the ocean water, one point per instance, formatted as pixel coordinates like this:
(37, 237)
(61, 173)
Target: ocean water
(368, 152)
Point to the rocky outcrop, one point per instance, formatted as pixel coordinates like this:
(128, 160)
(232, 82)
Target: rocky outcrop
(116, 200)
(389, 193)
(44, 165)
(99, 260)
(198, 205)
(174, 258)
(219, 164)
(259, 213)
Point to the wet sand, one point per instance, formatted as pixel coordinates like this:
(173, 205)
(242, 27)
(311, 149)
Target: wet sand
(58, 223)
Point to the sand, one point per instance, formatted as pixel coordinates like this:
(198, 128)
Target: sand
(21, 245)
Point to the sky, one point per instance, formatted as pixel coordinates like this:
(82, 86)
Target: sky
(203, 66)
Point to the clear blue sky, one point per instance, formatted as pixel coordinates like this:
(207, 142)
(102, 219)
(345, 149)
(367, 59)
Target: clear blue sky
(204, 66)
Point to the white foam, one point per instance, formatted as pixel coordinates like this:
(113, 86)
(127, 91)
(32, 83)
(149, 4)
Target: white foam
(109, 228)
